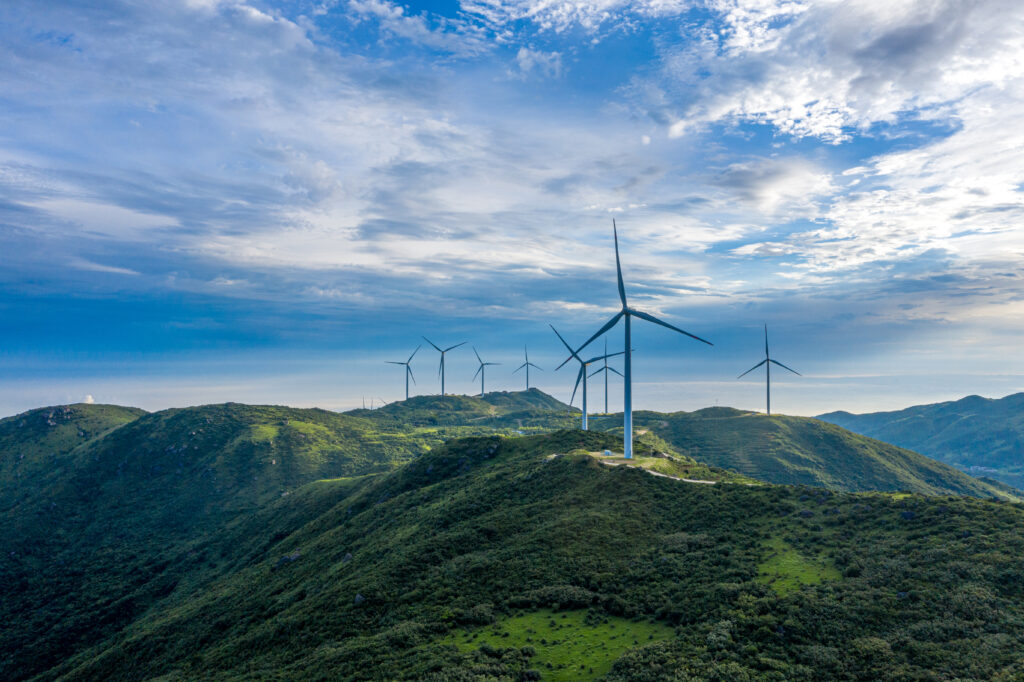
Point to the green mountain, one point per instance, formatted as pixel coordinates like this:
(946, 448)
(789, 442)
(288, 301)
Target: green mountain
(979, 435)
(803, 451)
(39, 442)
(519, 558)
(259, 542)
(529, 410)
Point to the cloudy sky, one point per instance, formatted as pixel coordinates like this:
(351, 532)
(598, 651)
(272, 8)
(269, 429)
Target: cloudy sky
(258, 201)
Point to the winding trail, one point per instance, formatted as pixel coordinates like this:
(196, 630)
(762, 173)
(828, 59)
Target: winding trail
(658, 473)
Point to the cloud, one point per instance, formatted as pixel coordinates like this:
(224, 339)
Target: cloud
(103, 219)
(448, 35)
(801, 69)
(560, 17)
(373, 157)
(778, 188)
(547, 64)
(82, 264)
(88, 400)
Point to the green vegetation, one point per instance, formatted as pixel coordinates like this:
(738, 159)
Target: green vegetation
(802, 451)
(38, 443)
(234, 542)
(979, 435)
(785, 569)
(566, 646)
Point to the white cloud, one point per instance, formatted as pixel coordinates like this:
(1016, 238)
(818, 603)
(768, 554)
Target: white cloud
(103, 219)
(545, 63)
(82, 264)
(559, 16)
(819, 69)
(88, 400)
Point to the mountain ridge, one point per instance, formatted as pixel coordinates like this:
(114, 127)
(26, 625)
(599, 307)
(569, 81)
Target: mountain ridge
(979, 435)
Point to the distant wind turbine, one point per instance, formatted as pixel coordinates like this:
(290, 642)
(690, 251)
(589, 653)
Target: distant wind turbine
(606, 369)
(768, 362)
(480, 370)
(440, 367)
(527, 365)
(408, 369)
(582, 375)
(628, 313)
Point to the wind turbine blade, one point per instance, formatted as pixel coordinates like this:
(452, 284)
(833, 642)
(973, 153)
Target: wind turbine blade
(526, 353)
(766, 340)
(752, 369)
(478, 370)
(607, 325)
(776, 362)
(477, 355)
(454, 347)
(414, 353)
(652, 318)
(602, 357)
(596, 372)
(534, 366)
(492, 363)
(618, 266)
(579, 378)
(392, 362)
(612, 369)
(519, 368)
(407, 367)
(564, 343)
(432, 344)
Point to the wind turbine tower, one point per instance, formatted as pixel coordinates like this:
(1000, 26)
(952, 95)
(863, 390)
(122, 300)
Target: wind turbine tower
(606, 369)
(480, 370)
(527, 365)
(582, 375)
(768, 362)
(629, 313)
(440, 367)
(408, 369)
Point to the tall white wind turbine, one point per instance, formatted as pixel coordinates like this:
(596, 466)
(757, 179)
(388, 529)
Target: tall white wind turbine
(768, 362)
(629, 313)
(526, 365)
(408, 370)
(582, 375)
(440, 367)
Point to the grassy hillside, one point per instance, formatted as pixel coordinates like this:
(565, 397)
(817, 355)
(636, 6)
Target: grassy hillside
(798, 450)
(133, 501)
(491, 559)
(37, 442)
(251, 542)
(511, 410)
(979, 435)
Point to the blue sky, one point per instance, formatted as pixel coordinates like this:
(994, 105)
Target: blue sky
(204, 201)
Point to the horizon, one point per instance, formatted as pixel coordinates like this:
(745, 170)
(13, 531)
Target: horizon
(371, 404)
(263, 202)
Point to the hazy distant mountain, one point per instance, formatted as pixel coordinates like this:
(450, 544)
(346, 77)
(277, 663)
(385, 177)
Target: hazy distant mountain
(980, 435)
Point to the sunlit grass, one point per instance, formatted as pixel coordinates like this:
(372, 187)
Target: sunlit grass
(786, 570)
(568, 644)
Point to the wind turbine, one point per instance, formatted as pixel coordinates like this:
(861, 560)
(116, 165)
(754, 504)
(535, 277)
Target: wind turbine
(606, 369)
(480, 370)
(408, 369)
(768, 362)
(628, 313)
(582, 376)
(440, 368)
(527, 365)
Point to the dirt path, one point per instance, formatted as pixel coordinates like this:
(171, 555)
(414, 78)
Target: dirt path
(658, 473)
